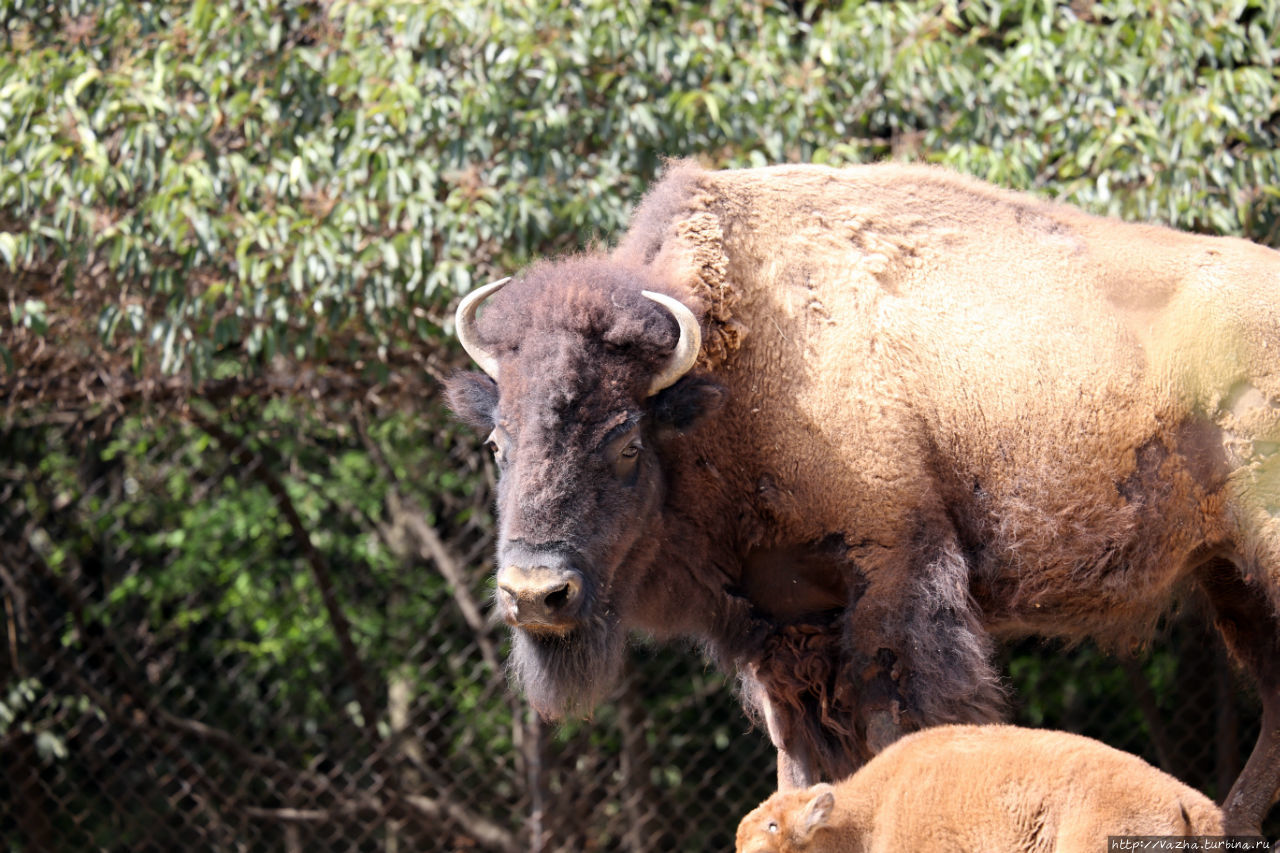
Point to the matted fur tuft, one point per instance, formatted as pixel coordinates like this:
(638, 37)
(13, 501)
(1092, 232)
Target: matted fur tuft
(677, 231)
(957, 683)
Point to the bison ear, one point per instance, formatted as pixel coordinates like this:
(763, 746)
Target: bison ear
(687, 403)
(473, 397)
(817, 813)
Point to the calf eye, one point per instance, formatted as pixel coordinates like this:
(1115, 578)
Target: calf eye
(772, 827)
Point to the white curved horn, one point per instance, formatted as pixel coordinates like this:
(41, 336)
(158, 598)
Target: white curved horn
(465, 326)
(686, 351)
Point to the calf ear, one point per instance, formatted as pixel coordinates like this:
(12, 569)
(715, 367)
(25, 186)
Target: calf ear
(473, 397)
(688, 402)
(817, 812)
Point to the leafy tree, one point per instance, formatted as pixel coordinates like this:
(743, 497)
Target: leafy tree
(238, 529)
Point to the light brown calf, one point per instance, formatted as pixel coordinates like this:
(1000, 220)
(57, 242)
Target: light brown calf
(982, 789)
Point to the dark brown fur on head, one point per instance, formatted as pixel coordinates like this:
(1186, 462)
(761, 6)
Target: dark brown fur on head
(577, 346)
(590, 302)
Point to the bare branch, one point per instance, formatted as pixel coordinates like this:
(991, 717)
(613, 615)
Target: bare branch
(15, 609)
(1150, 712)
(482, 830)
(408, 517)
(315, 560)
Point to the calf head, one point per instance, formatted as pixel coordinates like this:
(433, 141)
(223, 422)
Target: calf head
(586, 379)
(787, 822)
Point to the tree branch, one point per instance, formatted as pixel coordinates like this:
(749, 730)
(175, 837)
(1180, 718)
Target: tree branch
(408, 517)
(143, 715)
(315, 560)
(15, 609)
(1150, 712)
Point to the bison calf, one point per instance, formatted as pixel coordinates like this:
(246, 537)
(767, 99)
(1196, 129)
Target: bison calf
(981, 788)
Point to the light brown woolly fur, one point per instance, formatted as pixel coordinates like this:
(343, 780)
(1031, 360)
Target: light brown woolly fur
(976, 789)
(1089, 409)
(1048, 360)
(950, 414)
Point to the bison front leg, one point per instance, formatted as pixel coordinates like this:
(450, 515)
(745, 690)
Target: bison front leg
(919, 654)
(796, 768)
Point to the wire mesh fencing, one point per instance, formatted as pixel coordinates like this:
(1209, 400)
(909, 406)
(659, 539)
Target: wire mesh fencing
(263, 625)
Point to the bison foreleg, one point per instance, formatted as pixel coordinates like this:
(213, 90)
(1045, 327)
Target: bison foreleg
(796, 768)
(920, 654)
(1254, 792)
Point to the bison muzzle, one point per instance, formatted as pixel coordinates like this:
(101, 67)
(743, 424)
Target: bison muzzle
(540, 591)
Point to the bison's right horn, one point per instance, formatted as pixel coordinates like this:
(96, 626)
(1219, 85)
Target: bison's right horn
(686, 351)
(465, 321)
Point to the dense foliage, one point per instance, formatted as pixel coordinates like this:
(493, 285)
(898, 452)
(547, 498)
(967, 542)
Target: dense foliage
(256, 215)
(205, 186)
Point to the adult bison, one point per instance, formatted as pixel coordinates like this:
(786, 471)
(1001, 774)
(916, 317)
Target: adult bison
(848, 427)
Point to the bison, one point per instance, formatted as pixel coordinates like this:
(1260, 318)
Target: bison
(979, 789)
(848, 428)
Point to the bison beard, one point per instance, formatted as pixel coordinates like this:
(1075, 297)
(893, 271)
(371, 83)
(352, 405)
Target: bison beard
(565, 675)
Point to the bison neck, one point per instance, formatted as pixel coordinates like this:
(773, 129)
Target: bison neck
(787, 583)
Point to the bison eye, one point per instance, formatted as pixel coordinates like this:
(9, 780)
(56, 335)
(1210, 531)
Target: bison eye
(771, 827)
(620, 450)
(624, 464)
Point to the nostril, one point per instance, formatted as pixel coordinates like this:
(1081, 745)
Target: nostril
(557, 599)
(563, 595)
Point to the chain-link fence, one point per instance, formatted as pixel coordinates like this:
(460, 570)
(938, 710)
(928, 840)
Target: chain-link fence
(264, 626)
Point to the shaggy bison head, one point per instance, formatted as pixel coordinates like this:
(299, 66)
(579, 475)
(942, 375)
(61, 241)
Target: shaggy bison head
(586, 382)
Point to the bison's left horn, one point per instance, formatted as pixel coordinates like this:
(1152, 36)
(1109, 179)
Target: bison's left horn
(686, 351)
(465, 321)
